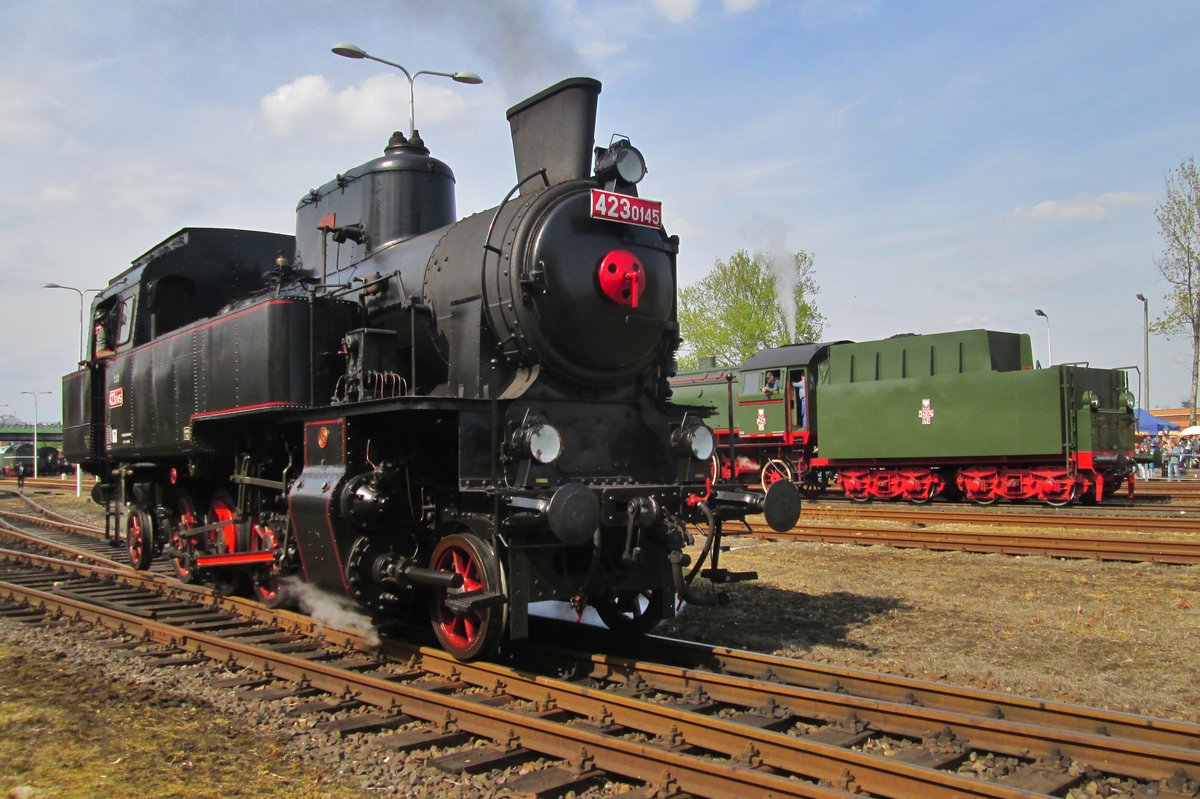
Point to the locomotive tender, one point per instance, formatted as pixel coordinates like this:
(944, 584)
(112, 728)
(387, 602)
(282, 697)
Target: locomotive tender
(452, 418)
(960, 415)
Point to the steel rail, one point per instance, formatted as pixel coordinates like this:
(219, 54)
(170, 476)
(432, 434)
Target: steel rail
(910, 690)
(51, 519)
(1011, 518)
(42, 509)
(76, 552)
(906, 719)
(1094, 548)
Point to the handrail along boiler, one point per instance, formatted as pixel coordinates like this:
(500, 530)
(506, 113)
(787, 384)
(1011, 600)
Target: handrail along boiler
(456, 418)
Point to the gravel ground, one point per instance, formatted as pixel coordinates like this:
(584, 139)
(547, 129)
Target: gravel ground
(1115, 635)
(1120, 636)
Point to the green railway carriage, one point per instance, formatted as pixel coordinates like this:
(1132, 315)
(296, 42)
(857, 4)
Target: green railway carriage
(913, 417)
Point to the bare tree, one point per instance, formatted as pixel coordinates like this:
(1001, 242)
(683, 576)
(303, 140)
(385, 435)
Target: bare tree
(1179, 222)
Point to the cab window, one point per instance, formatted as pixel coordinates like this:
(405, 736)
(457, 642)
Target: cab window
(124, 320)
(772, 384)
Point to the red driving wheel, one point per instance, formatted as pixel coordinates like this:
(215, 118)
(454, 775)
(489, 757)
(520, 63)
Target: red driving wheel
(468, 634)
(222, 540)
(139, 538)
(266, 580)
(183, 520)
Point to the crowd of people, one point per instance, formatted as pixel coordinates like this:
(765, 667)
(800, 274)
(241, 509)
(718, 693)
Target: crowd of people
(1165, 455)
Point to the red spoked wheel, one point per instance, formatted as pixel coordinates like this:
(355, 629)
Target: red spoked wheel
(773, 471)
(223, 539)
(477, 632)
(183, 520)
(139, 536)
(268, 580)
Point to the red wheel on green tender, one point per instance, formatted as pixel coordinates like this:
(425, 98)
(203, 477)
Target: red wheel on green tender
(139, 535)
(183, 520)
(472, 633)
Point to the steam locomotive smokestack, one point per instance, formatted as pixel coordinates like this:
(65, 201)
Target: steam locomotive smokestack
(555, 130)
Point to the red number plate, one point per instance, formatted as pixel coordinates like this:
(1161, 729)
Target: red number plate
(623, 208)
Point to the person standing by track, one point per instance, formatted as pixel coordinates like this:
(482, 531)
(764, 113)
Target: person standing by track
(1174, 459)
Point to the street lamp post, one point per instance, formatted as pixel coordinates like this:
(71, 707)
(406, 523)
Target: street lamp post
(1145, 348)
(1049, 356)
(83, 326)
(35, 394)
(354, 51)
(82, 316)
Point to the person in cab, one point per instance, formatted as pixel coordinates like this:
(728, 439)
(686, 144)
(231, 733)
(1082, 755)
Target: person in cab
(771, 384)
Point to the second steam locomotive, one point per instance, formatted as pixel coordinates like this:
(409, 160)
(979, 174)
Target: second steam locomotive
(913, 417)
(433, 417)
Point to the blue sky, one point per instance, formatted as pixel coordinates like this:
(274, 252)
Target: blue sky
(949, 164)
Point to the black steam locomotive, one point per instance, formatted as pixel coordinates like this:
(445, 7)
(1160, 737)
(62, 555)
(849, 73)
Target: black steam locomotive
(453, 418)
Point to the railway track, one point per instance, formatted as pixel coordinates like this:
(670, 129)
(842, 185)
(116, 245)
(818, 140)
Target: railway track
(934, 529)
(1187, 489)
(50, 484)
(1137, 521)
(702, 720)
(1086, 547)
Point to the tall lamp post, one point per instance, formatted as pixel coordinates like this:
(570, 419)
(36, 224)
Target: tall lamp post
(83, 326)
(354, 51)
(1145, 348)
(35, 394)
(1049, 356)
(82, 317)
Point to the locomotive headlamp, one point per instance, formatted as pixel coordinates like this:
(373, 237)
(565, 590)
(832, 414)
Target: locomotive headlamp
(621, 161)
(1128, 399)
(538, 440)
(1092, 398)
(696, 440)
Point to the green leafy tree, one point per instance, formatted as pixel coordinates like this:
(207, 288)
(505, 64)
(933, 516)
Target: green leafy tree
(748, 303)
(1179, 222)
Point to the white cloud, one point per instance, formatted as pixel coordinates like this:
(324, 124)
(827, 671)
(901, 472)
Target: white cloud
(1084, 207)
(739, 6)
(310, 105)
(27, 115)
(676, 10)
(60, 194)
